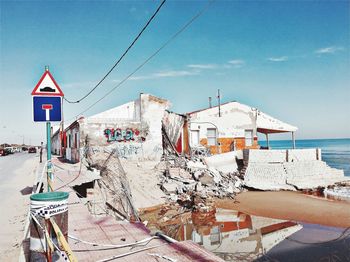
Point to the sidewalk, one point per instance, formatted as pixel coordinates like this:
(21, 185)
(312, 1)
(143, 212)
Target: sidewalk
(105, 238)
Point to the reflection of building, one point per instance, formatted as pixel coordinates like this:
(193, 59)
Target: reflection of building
(231, 232)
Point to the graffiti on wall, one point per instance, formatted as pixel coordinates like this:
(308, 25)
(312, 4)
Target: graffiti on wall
(123, 135)
(129, 150)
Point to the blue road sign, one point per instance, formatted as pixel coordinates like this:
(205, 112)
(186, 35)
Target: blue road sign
(47, 108)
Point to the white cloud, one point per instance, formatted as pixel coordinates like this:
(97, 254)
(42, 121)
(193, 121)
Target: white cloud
(278, 59)
(203, 66)
(236, 63)
(164, 74)
(329, 50)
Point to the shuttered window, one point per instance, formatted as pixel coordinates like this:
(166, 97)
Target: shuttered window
(211, 136)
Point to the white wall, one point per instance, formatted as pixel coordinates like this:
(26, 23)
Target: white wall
(126, 111)
(235, 118)
(146, 123)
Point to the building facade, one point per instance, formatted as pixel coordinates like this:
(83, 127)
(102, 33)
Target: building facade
(229, 127)
(142, 128)
(133, 129)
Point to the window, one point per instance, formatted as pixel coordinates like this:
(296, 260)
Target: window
(211, 136)
(215, 237)
(195, 137)
(248, 134)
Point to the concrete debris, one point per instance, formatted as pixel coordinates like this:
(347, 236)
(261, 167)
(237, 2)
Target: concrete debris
(340, 191)
(195, 165)
(206, 179)
(169, 187)
(292, 169)
(188, 181)
(225, 162)
(179, 172)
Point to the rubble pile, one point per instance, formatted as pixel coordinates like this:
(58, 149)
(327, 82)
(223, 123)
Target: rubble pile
(339, 191)
(191, 183)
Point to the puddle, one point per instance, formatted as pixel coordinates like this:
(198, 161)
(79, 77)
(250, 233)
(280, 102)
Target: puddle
(230, 234)
(236, 236)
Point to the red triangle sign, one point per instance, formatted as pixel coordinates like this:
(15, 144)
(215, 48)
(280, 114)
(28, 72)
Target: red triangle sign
(47, 86)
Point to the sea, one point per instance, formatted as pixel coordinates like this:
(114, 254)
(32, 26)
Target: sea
(335, 152)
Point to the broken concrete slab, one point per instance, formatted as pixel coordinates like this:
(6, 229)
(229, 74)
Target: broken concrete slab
(206, 179)
(225, 163)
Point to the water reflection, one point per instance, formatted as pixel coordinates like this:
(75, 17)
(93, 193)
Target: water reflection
(233, 235)
(230, 234)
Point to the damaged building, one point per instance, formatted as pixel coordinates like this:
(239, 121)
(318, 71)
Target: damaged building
(224, 139)
(133, 129)
(136, 128)
(229, 127)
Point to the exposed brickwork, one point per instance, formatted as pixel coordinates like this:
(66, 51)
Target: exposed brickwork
(227, 144)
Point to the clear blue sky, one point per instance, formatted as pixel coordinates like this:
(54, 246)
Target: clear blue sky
(290, 59)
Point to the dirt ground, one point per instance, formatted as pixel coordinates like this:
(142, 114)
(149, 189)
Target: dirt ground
(291, 206)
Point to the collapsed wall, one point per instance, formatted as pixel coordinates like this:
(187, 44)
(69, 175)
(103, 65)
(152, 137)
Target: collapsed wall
(114, 195)
(288, 170)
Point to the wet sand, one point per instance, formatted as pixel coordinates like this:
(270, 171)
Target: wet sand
(291, 206)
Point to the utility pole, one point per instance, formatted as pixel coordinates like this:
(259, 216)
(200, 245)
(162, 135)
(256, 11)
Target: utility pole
(219, 102)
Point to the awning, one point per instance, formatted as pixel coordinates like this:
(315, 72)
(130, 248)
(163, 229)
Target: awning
(267, 124)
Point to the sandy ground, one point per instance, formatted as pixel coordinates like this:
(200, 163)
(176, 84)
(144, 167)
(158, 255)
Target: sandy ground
(18, 173)
(292, 206)
(143, 182)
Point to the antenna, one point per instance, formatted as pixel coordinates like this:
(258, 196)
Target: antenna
(219, 102)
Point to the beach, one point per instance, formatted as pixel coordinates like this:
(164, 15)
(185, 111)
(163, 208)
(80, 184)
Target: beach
(289, 205)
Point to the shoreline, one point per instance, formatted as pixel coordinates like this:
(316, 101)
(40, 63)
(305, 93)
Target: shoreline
(288, 205)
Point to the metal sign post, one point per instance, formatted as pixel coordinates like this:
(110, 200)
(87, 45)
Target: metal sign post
(47, 107)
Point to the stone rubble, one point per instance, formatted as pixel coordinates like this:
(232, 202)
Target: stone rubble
(192, 184)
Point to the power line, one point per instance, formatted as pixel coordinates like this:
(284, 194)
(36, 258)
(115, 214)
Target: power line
(116, 63)
(149, 58)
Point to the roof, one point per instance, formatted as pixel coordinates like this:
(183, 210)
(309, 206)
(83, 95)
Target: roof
(193, 112)
(266, 124)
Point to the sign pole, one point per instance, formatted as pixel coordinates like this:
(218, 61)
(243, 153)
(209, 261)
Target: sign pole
(48, 143)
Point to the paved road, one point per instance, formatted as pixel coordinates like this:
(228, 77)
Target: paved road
(17, 173)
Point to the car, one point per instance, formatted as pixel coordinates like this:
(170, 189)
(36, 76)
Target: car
(32, 150)
(9, 150)
(3, 152)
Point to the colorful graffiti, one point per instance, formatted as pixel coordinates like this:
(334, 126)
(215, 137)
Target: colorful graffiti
(122, 135)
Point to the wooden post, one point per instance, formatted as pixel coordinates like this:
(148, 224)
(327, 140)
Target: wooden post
(293, 139)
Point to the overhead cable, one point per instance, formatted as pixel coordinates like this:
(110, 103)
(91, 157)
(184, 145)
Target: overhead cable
(122, 56)
(148, 59)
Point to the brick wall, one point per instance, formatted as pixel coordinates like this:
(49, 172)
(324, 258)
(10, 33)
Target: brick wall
(227, 144)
